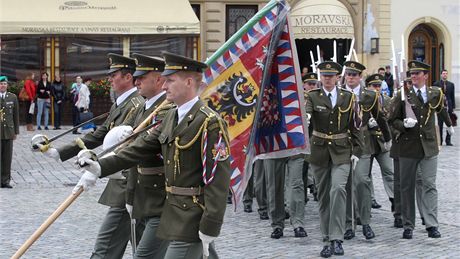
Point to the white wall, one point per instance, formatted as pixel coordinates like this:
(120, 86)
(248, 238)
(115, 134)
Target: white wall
(405, 13)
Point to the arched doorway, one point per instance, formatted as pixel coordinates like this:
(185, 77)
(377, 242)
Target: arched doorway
(424, 46)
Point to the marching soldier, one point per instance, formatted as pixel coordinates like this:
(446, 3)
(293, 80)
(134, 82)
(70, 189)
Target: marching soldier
(335, 144)
(418, 147)
(371, 117)
(191, 135)
(380, 150)
(146, 182)
(9, 129)
(114, 232)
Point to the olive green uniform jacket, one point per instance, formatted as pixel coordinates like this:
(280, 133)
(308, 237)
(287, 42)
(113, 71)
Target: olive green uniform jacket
(333, 120)
(183, 216)
(371, 107)
(123, 114)
(147, 192)
(10, 108)
(420, 141)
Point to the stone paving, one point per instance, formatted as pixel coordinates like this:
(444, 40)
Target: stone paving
(41, 184)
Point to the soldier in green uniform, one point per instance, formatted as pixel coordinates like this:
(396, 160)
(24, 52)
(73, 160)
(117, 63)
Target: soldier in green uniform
(378, 147)
(9, 129)
(191, 135)
(146, 182)
(371, 117)
(418, 147)
(114, 233)
(335, 143)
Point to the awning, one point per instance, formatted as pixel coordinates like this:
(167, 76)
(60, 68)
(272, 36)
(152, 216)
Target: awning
(97, 17)
(321, 19)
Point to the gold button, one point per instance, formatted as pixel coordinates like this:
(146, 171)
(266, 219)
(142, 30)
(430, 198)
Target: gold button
(168, 162)
(421, 116)
(155, 185)
(169, 144)
(420, 135)
(138, 182)
(329, 143)
(330, 122)
(160, 174)
(420, 126)
(184, 205)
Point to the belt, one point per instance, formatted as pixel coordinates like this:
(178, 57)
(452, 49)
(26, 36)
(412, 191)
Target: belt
(376, 133)
(185, 191)
(150, 170)
(332, 136)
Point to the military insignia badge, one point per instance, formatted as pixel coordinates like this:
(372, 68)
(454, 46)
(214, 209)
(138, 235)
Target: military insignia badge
(352, 65)
(328, 65)
(220, 151)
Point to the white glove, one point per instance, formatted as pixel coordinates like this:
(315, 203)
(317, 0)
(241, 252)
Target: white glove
(117, 176)
(90, 165)
(387, 145)
(115, 135)
(372, 123)
(49, 152)
(450, 130)
(308, 117)
(129, 208)
(409, 122)
(354, 161)
(206, 240)
(87, 180)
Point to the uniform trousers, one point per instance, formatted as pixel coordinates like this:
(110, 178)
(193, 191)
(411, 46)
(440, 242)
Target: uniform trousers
(257, 187)
(186, 250)
(362, 192)
(397, 190)
(150, 246)
(429, 193)
(331, 182)
(114, 234)
(386, 169)
(307, 177)
(275, 170)
(7, 157)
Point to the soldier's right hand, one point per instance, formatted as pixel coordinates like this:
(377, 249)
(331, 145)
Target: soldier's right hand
(39, 143)
(409, 123)
(87, 180)
(90, 165)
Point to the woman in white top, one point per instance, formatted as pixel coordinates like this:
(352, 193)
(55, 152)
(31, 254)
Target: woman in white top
(82, 102)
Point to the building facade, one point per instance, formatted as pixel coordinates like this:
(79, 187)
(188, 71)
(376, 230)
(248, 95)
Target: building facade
(429, 32)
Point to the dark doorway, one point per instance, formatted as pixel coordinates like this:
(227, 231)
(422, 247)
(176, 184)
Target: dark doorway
(304, 46)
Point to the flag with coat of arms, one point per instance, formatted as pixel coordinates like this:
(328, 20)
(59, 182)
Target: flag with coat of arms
(253, 82)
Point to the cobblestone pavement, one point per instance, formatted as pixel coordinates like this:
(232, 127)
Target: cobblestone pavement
(41, 184)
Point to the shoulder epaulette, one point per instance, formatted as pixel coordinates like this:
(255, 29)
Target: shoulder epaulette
(138, 100)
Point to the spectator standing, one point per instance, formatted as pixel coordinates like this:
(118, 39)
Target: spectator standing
(31, 90)
(43, 100)
(58, 93)
(74, 90)
(448, 88)
(388, 78)
(384, 89)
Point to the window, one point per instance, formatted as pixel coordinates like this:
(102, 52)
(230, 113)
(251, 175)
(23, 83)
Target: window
(237, 16)
(196, 8)
(20, 55)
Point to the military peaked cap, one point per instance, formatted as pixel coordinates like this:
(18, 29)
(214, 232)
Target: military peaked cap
(374, 79)
(3, 79)
(176, 63)
(118, 62)
(310, 78)
(415, 66)
(330, 68)
(353, 66)
(145, 64)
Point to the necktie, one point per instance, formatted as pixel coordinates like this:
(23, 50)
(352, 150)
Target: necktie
(330, 98)
(176, 119)
(419, 95)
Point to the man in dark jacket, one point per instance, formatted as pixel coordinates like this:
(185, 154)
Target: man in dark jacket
(448, 88)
